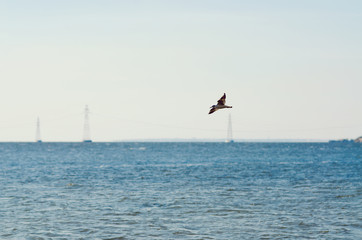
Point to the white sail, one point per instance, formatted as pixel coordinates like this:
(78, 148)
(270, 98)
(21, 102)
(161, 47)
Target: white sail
(37, 134)
(229, 136)
(86, 129)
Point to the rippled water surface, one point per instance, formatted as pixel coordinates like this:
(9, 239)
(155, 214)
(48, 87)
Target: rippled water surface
(180, 191)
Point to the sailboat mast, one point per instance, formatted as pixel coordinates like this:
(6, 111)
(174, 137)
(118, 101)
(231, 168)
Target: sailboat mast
(37, 135)
(86, 128)
(229, 136)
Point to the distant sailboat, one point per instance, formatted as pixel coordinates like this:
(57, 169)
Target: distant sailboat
(229, 136)
(38, 136)
(86, 129)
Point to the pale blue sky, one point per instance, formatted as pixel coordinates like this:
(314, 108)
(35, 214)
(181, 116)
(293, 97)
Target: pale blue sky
(152, 69)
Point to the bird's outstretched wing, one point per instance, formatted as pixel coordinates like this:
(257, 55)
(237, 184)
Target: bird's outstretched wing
(213, 109)
(222, 100)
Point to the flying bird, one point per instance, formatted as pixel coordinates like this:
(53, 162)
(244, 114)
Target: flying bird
(220, 104)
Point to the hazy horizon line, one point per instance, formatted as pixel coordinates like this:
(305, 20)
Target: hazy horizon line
(276, 140)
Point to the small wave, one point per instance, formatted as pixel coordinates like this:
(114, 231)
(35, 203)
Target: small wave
(134, 213)
(115, 238)
(123, 199)
(345, 196)
(225, 211)
(73, 185)
(184, 232)
(139, 148)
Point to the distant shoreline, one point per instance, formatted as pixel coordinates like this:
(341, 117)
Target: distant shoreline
(222, 140)
(186, 140)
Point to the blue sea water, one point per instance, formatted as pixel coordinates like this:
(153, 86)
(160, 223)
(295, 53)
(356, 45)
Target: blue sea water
(180, 191)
